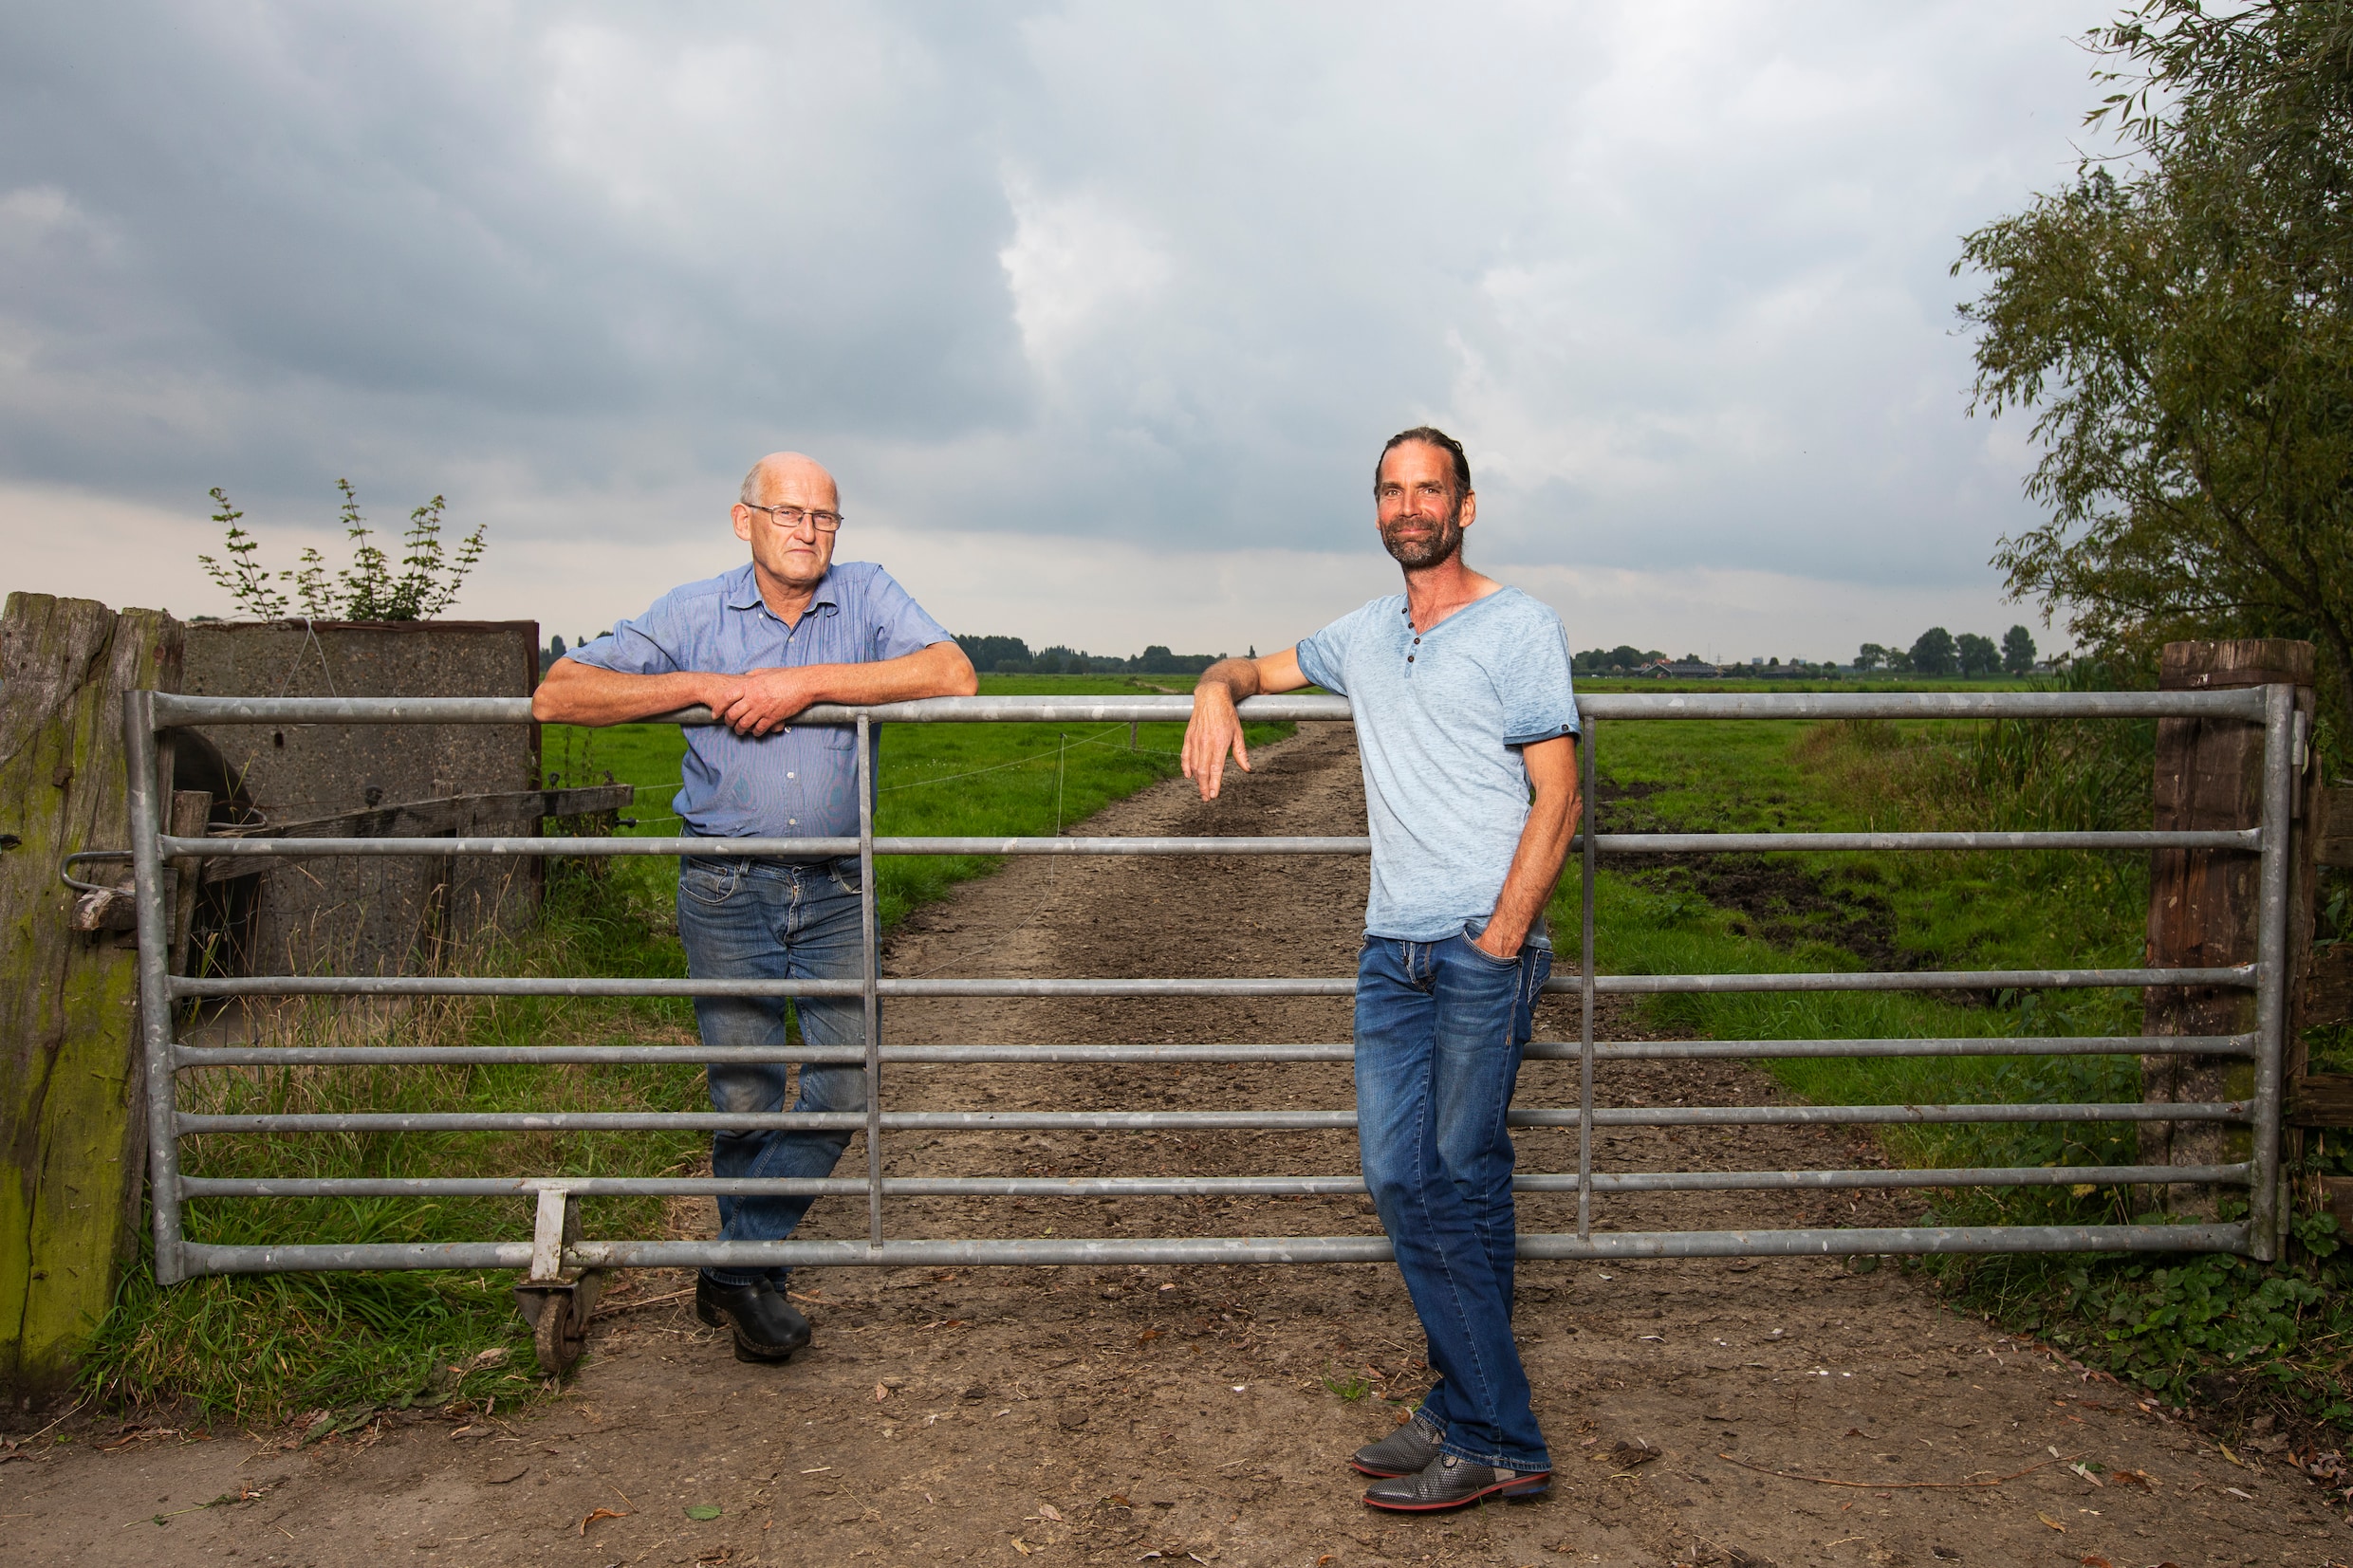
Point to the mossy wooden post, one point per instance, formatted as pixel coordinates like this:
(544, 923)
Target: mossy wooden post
(71, 1136)
(2203, 903)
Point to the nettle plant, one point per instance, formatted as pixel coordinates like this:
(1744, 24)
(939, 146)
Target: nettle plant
(367, 589)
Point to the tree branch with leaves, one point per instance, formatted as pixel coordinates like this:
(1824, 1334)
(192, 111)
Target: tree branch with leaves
(2180, 331)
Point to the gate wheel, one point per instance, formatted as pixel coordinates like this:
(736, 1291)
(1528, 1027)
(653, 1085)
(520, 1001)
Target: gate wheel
(559, 1334)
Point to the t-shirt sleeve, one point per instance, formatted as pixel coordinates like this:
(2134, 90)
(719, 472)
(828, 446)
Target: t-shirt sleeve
(655, 643)
(1323, 656)
(1539, 703)
(900, 624)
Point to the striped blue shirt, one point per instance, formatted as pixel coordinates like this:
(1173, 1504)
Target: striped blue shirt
(801, 781)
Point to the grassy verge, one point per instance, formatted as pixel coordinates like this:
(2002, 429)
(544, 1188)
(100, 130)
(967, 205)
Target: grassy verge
(2239, 1338)
(265, 1348)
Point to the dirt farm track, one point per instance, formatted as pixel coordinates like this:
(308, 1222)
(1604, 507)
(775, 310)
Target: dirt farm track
(1802, 1412)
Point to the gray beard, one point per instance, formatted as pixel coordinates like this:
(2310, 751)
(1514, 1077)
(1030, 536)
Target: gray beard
(1433, 552)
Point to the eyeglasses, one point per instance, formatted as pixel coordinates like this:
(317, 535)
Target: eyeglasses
(793, 517)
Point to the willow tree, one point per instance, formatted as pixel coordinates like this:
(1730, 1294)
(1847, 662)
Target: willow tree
(2178, 328)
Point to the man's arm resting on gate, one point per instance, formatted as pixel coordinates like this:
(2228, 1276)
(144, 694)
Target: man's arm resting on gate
(573, 692)
(755, 702)
(1215, 729)
(1544, 846)
(767, 699)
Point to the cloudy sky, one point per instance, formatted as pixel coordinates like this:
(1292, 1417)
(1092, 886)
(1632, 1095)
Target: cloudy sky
(1101, 313)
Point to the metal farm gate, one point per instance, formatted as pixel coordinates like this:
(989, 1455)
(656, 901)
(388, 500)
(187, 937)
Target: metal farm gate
(563, 1268)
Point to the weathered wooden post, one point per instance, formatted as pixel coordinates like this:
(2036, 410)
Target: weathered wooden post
(2203, 903)
(2321, 1104)
(71, 1139)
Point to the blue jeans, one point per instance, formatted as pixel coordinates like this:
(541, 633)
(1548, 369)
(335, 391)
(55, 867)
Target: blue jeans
(1440, 1031)
(773, 920)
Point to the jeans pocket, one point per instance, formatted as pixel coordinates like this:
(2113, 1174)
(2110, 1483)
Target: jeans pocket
(844, 875)
(711, 883)
(1471, 940)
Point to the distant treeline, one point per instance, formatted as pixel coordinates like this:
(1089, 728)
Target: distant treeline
(1012, 657)
(1625, 657)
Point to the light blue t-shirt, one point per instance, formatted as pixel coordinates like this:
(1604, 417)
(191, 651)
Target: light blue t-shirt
(1439, 719)
(798, 782)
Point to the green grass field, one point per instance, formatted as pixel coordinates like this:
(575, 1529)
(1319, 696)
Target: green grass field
(1831, 911)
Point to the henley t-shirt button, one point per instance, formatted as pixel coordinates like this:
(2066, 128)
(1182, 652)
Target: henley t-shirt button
(1409, 659)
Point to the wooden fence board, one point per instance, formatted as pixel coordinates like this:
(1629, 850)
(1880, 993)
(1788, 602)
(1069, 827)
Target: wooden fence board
(2332, 824)
(2321, 1099)
(71, 1137)
(2328, 987)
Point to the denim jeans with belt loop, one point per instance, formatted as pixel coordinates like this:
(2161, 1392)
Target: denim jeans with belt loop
(773, 920)
(1440, 1031)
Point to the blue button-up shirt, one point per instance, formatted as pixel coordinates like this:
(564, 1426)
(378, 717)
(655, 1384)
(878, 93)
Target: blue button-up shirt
(800, 781)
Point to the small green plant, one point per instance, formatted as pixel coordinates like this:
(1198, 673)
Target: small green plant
(1350, 1389)
(366, 589)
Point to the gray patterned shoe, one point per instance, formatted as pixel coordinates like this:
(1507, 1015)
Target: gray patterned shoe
(1404, 1452)
(1450, 1483)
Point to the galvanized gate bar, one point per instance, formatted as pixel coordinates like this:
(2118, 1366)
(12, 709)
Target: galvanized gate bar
(2266, 1208)
(173, 708)
(1607, 984)
(1589, 831)
(1190, 1121)
(176, 1258)
(1606, 843)
(1047, 1251)
(870, 969)
(1183, 1187)
(143, 808)
(1632, 1050)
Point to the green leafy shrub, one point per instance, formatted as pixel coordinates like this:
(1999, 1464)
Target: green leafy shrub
(2178, 1326)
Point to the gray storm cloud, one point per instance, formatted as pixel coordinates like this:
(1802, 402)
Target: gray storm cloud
(1143, 276)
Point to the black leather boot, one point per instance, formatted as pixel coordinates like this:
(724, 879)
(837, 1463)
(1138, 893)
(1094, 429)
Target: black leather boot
(766, 1326)
(1449, 1482)
(1404, 1452)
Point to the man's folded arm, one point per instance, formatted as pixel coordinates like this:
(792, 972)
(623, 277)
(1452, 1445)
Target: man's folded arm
(764, 699)
(755, 701)
(573, 692)
(939, 671)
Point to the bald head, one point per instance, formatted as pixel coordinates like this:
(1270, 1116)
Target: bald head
(780, 471)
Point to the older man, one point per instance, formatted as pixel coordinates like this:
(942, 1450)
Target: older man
(756, 646)
(1459, 688)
